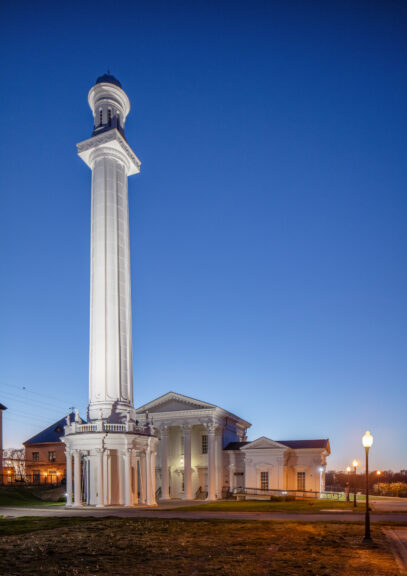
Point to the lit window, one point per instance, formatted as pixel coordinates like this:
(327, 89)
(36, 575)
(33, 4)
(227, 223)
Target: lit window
(52, 456)
(204, 444)
(36, 456)
(300, 480)
(264, 480)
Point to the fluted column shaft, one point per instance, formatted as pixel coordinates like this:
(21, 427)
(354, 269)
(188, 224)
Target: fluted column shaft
(165, 488)
(187, 463)
(77, 478)
(68, 478)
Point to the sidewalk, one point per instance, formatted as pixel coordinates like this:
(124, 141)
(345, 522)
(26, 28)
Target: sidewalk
(398, 542)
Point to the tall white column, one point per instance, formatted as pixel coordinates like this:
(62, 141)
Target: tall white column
(99, 479)
(120, 469)
(187, 463)
(150, 474)
(143, 478)
(135, 486)
(77, 478)
(111, 160)
(232, 469)
(127, 478)
(165, 493)
(211, 462)
(219, 463)
(106, 477)
(153, 457)
(68, 478)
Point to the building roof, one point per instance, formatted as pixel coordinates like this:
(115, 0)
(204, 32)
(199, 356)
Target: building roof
(2, 407)
(294, 444)
(235, 445)
(51, 434)
(109, 79)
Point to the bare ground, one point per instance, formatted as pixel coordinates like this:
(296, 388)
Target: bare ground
(155, 547)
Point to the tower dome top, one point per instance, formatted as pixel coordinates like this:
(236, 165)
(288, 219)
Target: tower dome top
(108, 78)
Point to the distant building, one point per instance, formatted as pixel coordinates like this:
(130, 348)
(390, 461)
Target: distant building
(45, 461)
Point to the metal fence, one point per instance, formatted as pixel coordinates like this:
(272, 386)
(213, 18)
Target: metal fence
(32, 480)
(265, 493)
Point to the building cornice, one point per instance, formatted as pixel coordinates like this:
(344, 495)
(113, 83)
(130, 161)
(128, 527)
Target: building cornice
(109, 143)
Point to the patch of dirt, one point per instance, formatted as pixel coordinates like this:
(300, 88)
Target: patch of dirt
(152, 547)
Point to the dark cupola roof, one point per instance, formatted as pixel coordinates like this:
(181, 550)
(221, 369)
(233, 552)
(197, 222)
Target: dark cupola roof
(108, 78)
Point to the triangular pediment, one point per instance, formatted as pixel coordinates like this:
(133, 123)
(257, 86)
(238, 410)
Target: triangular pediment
(173, 402)
(264, 443)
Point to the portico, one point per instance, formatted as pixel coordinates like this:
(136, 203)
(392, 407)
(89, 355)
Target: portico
(192, 433)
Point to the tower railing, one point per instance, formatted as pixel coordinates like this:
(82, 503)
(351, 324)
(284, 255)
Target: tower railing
(102, 426)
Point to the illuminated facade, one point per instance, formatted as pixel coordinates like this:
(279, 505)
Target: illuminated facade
(110, 460)
(204, 453)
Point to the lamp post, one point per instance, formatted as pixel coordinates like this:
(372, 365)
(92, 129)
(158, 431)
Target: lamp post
(347, 487)
(355, 464)
(367, 441)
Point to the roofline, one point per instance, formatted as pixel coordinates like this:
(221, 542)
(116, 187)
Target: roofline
(235, 417)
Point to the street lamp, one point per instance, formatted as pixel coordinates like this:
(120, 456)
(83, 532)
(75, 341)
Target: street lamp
(367, 441)
(355, 464)
(347, 487)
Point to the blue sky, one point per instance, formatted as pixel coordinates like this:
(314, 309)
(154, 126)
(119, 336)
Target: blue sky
(268, 236)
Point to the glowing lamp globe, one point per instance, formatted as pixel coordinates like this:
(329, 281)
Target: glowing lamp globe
(355, 463)
(367, 439)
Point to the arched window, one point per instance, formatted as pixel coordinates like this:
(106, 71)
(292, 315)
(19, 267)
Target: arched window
(100, 117)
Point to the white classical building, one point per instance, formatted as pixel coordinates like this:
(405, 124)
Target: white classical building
(174, 446)
(203, 452)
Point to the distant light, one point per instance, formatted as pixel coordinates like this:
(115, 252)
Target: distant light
(284, 492)
(355, 463)
(367, 439)
(378, 472)
(321, 468)
(348, 468)
(181, 460)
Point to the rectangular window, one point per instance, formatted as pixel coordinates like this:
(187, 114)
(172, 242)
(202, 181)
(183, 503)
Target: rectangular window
(36, 456)
(52, 456)
(205, 444)
(300, 480)
(264, 480)
(36, 476)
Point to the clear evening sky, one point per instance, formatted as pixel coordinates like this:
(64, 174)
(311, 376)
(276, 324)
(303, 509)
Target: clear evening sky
(268, 224)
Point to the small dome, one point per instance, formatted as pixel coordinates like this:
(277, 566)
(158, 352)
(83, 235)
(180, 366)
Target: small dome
(108, 78)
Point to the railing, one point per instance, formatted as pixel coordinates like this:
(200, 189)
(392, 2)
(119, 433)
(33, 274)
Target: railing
(266, 492)
(101, 426)
(50, 480)
(201, 494)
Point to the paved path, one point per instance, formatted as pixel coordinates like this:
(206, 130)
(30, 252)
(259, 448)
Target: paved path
(398, 541)
(198, 515)
(390, 504)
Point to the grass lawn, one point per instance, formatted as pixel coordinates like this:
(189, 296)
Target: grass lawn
(22, 496)
(305, 506)
(154, 547)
